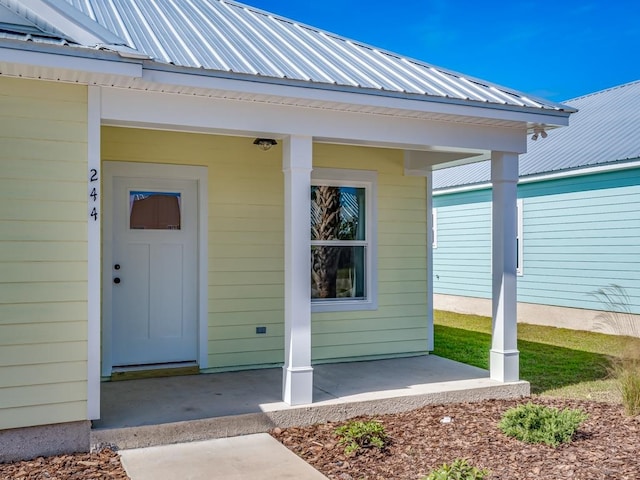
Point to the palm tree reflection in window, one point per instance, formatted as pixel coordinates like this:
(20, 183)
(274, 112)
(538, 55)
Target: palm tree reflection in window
(338, 242)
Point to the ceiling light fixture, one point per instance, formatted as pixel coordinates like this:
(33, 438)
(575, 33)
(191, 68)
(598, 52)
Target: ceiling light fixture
(264, 143)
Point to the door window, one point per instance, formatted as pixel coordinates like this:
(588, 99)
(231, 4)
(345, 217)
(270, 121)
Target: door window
(154, 210)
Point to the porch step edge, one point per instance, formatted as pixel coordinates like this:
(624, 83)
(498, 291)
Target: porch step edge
(262, 422)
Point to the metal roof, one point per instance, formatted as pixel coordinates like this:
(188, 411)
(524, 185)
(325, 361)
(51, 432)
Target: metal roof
(225, 36)
(605, 130)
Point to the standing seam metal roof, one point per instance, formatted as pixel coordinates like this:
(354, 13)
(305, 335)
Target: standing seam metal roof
(606, 129)
(223, 35)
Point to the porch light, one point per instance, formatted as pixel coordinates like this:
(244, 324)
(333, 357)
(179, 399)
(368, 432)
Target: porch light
(264, 143)
(538, 132)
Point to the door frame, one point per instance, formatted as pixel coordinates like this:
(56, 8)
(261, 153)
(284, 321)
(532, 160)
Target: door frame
(111, 169)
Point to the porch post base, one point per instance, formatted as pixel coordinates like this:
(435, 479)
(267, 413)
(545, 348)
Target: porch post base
(504, 366)
(297, 385)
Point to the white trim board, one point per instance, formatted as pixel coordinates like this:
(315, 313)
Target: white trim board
(123, 107)
(94, 241)
(111, 169)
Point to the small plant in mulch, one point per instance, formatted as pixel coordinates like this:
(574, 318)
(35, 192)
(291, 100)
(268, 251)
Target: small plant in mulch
(532, 423)
(357, 435)
(458, 470)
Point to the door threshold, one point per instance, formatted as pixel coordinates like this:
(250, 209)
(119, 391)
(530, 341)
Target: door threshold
(156, 370)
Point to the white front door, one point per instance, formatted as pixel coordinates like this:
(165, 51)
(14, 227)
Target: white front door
(154, 271)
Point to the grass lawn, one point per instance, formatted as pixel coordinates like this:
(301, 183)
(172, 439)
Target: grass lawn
(556, 361)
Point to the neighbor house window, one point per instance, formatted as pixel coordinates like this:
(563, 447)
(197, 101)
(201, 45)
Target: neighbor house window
(343, 249)
(519, 240)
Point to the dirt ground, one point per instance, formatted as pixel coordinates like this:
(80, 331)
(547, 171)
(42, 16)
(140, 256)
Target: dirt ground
(607, 446)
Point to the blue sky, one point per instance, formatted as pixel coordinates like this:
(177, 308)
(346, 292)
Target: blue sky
(557, 50)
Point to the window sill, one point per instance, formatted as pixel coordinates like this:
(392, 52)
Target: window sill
(343, 305)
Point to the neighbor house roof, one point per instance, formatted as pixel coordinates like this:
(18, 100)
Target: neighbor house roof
(605, 130)
(225, 36)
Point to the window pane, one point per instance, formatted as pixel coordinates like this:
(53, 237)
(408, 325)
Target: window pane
(154, 211)
(337, 272)
(337, 213)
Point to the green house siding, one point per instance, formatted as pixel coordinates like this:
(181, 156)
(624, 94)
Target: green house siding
(43, 253)
(246, 247)
(580, 234)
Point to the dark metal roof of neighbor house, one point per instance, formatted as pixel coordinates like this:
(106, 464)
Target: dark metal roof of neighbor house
(605, 130)
(225, 36)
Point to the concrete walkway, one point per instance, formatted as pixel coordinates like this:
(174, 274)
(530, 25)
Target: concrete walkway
(252, 457)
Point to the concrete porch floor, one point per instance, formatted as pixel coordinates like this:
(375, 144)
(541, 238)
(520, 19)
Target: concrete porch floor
(157, 411)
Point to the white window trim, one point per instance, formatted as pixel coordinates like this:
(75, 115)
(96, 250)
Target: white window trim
(364, 179)
(434, 227)
(520, 238)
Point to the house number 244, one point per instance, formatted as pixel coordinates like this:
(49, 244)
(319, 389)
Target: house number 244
(93, 194)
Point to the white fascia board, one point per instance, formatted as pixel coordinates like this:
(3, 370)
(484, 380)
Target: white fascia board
(548, 176)
(345, 95)
(48, 60)
(67, 19)
(465, 188)
(128, 107)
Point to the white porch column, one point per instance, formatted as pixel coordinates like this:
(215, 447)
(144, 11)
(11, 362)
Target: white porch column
(297, 372)
(94, 222)
(504, 358)
(430, 332)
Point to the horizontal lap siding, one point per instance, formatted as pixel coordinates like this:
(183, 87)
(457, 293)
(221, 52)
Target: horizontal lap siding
(580, 235)
(462, 259)
(43, 253)
(245, 232)
(399, 324)
(246, 247)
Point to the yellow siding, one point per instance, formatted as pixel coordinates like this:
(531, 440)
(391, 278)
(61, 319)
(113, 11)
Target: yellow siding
(245, 234)
(43, 264)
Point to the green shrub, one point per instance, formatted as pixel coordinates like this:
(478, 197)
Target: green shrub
(533, 423)
(458, 470)
(358, 434)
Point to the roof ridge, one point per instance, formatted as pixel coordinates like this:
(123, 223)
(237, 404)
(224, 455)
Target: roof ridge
(604, 90)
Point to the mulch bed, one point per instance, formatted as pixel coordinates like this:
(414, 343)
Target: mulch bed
(102, 465)
(607, 445)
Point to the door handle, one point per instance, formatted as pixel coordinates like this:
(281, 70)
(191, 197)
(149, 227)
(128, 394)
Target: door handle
(116, 280)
